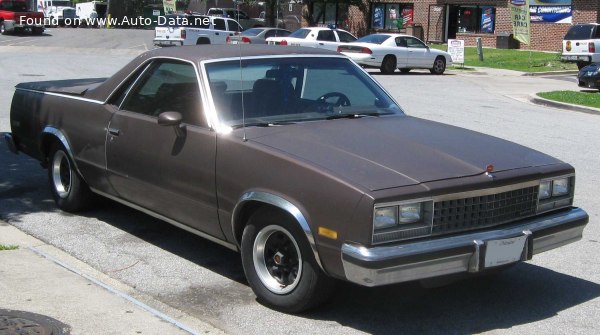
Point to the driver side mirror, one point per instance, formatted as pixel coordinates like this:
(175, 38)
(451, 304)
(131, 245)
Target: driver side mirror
(172, 119)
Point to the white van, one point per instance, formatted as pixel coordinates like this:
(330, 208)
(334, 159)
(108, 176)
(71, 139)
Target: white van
(183, 29)
(581, 44)
(90, 12)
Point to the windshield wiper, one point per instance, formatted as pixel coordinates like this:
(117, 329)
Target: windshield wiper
(262, 124)
(353, 115)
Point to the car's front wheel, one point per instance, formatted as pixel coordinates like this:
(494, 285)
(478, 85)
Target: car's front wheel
(439, 66)
(69, 190)
(280, 265)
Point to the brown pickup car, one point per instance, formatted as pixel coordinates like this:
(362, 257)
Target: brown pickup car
(300, 160)
(15, 18)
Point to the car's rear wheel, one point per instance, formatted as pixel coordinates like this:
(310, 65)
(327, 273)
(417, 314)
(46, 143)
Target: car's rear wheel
(581, 65)
(2, 28)
(37, 30)
(279, 264)
(202, 40)
(388, 65)
(439, 66)
(69, 190)
(405, 70)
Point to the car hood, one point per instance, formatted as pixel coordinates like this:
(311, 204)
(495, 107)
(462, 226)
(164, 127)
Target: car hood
(393, 151)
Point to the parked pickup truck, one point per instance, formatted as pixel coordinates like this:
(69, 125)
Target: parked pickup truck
(300, 160)
(15, 18)
(184, 29)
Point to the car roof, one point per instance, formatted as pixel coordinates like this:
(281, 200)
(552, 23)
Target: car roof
(196, 54)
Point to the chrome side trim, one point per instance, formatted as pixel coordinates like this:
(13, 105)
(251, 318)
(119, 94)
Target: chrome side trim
(456, 254)
(283, 204)
(58, 134)
(168, 220)
(61, 95)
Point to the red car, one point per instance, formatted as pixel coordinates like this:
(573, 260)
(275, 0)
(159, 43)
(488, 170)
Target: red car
(15, 18)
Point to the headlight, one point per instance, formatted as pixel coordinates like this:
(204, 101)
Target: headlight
(560, 187)
(385, 217)
(555, 193)
(545, 189)
(402, 220)
(410, 213)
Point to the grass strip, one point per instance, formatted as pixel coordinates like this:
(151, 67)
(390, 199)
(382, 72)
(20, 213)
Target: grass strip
(587, 98)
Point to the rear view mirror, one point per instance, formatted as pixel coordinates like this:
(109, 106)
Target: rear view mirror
(169, 119)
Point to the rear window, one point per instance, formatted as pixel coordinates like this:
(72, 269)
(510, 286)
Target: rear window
(580, 32)
(252, 32)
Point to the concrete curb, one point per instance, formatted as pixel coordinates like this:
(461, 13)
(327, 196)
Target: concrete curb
(534, 98)
(46, 280)
(549, 73)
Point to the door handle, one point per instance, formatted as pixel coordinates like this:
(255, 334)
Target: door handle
(216, 33)
(321, 43)
(114, 131)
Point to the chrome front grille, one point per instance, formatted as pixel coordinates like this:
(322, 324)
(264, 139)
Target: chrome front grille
(456, 215)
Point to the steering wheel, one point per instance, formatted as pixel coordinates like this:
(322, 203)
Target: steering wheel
(342, 99)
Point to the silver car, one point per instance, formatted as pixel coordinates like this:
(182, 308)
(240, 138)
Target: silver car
(257, 35)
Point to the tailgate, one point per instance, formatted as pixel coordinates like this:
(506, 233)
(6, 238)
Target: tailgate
(167, 33)
(576, 47)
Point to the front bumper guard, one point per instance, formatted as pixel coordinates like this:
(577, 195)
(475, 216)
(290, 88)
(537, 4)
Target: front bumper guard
(465, 253)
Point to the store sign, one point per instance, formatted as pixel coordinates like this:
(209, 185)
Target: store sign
(519, 16)
(456, 49)
(551, 11)
(487, 19)
(170, 6)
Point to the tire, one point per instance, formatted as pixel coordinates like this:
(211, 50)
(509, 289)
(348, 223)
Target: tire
(3, 28)
(69, 190)
(581, 65)
(405, 70)
(37, 31)
(439, 66)
(388, 65)
(288, 279)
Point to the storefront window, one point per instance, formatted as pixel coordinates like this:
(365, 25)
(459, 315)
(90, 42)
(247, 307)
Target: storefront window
(391, 16)
(475, 19)
(329, 13)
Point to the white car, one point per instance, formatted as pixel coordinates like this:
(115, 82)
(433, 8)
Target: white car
(389, 52)
(317, 37)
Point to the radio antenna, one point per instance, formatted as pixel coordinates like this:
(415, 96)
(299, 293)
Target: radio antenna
(237, 16)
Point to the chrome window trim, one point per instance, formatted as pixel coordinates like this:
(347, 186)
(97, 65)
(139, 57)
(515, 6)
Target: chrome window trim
(220, 127)
(62, 95)
(149, 63)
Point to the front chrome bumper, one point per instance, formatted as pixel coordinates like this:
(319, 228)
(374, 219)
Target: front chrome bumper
(464, 253)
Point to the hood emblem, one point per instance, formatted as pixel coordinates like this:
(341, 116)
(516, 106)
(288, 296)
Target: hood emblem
(488, 171)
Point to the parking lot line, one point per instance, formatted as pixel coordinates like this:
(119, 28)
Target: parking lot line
(22, 41)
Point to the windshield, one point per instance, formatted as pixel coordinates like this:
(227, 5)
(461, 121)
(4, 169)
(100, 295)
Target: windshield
(300, 33)
(293, 90)
(374, 39)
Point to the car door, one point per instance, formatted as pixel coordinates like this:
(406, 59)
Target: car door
(418, 53)
(169, 170)
(326, 40)
(220, 31)
(401, 52)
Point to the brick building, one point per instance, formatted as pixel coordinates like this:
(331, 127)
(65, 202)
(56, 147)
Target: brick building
(439, 20)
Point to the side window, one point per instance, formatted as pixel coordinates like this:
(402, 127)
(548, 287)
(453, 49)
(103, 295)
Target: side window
(167, 86)
(401, 42)
(414, 43)
(233, 26)
(243, 15)
(271, 33)
(326, 35)
(220, 24)
(345, 37)
(597, 34)
(118, 97)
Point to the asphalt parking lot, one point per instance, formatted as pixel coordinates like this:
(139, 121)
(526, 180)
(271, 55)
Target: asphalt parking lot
(556, 293)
